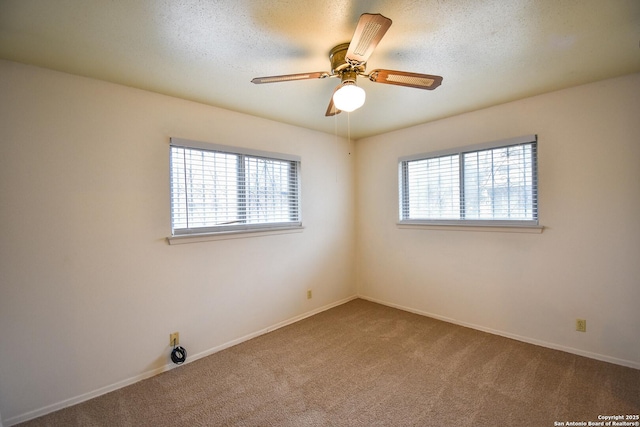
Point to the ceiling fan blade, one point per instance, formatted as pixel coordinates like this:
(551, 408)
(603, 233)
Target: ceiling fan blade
(370, 30)
(403, 78)
(331, 109)
(290, 77)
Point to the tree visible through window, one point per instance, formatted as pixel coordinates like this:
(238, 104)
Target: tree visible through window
(496, 183)
(214, 190)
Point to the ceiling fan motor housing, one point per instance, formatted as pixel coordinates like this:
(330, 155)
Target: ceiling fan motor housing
(338, 59)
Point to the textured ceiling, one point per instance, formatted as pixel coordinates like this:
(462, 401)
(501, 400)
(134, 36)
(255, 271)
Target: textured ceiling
(488, 51)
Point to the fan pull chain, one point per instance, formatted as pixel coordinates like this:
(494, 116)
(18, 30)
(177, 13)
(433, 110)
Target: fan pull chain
(336, 124)
(349, 129)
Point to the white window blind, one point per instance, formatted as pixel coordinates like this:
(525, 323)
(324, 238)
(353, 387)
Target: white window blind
(432, 188)
(493, 183)
(219, 188)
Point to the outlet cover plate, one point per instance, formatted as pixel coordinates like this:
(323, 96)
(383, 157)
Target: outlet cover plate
(174, 339)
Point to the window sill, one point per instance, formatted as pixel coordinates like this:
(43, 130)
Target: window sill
(226, 235)
(530, 229)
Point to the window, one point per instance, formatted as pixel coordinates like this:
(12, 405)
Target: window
(220, 189)
(491, 184)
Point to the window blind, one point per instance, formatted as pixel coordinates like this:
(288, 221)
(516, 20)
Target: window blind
(432, 188)
(494, 182)
(499, 184)
(215, 190)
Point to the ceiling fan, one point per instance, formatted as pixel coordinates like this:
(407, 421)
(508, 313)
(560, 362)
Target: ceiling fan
(349, 60)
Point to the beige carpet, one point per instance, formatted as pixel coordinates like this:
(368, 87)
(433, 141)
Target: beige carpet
(364, 364)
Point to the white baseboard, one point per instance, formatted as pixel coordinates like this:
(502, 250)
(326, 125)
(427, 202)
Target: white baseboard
(192, 358)
(591, 355)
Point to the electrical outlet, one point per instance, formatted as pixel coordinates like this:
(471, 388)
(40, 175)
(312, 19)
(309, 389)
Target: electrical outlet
(581, 325)
(174, 339)
(309, 294)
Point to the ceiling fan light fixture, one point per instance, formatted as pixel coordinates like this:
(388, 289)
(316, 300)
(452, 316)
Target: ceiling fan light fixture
(349, 97)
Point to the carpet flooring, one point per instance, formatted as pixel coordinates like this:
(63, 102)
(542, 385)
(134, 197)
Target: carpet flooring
(365, 364)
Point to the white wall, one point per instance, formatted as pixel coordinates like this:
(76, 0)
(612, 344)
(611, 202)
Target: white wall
(586, 263)
(90, 289)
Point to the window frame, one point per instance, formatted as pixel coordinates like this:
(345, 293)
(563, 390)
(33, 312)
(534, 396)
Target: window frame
(524, 225)
(211, 232)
